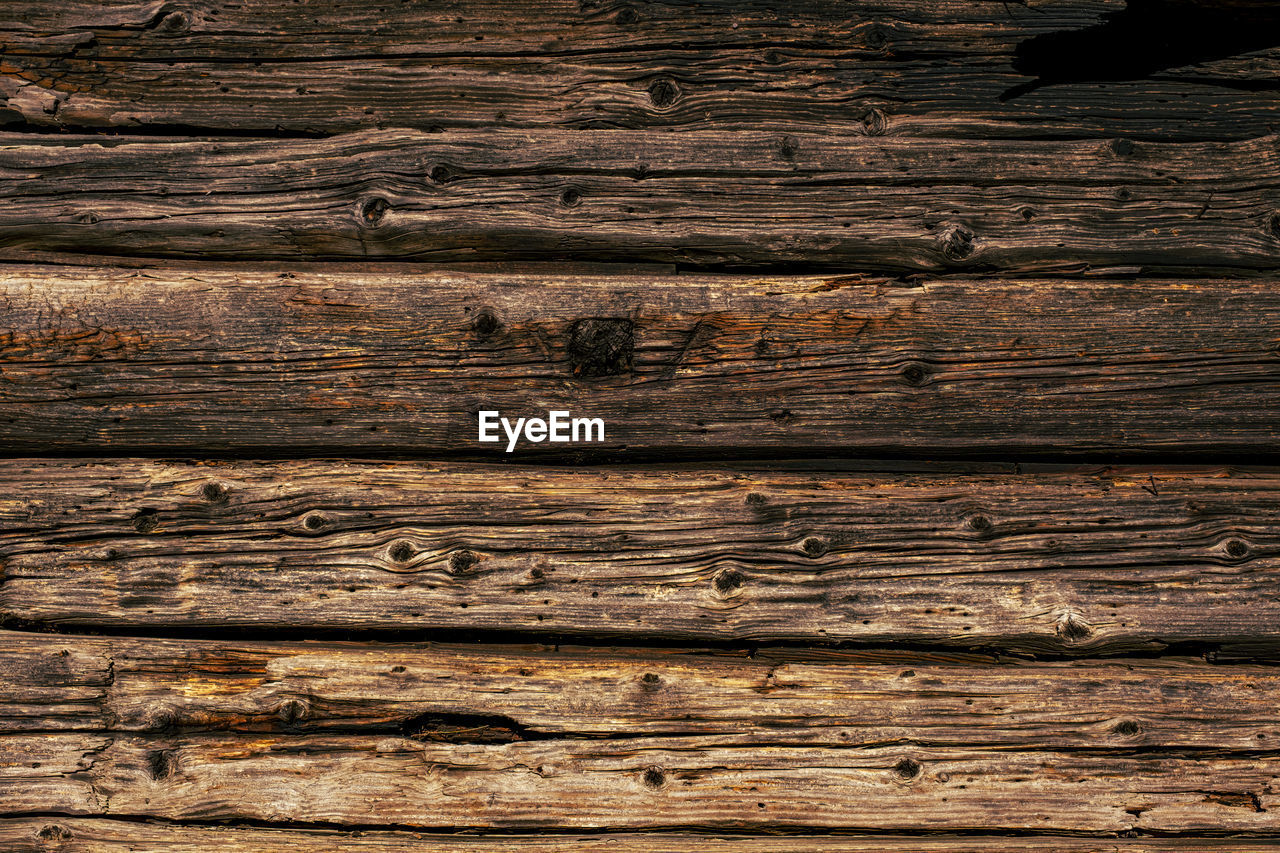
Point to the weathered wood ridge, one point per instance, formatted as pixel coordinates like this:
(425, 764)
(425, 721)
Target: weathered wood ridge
(192, 360)
(700, 198)
(938, 348)
(901, 67)
(1101, 560)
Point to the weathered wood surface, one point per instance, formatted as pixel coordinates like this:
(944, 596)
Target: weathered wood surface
(633, 783)
(1044, 68)
(751, 198)
(202, 360)
(1073, 562)
(96, 835)
(491, 694)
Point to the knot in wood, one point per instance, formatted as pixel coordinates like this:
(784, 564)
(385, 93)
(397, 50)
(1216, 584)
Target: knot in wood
(956, 243)
(145, 520)
(663, 92)
(979, 524)
(571, 197)
(1273, 225)
(462, 562)
(650, 681)
(215, 492)
(373, 211)
(727, 581)
(815, 546)
(1127, 728)
(601, 346)
(401, 551)
(293, 711)
(875, 122)
(914, 374)
(485, 323)
(907, 768)
(1073, 628)
(53, 832)
(653, 777)
(1236, 549)
(315, 522)
(876, 38)
(626, 16)
(161, 763)
(440, 173)
(1123, 147)
(174, 22)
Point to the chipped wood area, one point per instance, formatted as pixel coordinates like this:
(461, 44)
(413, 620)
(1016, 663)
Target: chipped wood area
(349, 360)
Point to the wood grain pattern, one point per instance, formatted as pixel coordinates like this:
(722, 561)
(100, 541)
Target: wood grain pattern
(491, 694)
(645, 783)
(204, 360)
(750, 198)
(881, 66)
(1109, 559)
(90, 835)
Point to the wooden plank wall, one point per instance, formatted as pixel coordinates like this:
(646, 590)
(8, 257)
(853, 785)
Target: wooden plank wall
(938, 348)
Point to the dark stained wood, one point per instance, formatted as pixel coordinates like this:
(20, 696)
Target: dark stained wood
(1073, 562)
(203, 361)
(639, 783)
(699, 198)
(476, 694)
(905, 67)
(90, 835)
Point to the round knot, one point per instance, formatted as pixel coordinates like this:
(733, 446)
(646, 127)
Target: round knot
(653, 777)
(875, 123)
(956, 243)
(485, 323)
(214, 492)
(401, 551)
(373, 210)
(663, 92)
(907, 768)
(727, 581)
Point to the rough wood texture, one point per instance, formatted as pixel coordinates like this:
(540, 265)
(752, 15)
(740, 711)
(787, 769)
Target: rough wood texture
(492, 694)
(1074, 562)
(696, 781)
(90, 835)
(1030, 68)
(196, 360)
(699, 198)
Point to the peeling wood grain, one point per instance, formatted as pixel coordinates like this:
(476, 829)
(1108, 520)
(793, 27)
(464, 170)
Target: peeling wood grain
(477, 694)
(746, 198)
(1112, 559)
(904, 67)
(632, 784)
(90, 835)
(212, 361)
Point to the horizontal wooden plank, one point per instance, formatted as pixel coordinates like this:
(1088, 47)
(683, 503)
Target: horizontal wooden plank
(1055, 68)
(696, 198)
(1074, 562)
(478, 694)
(632, 784)
(95, 835)
(260, 359)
